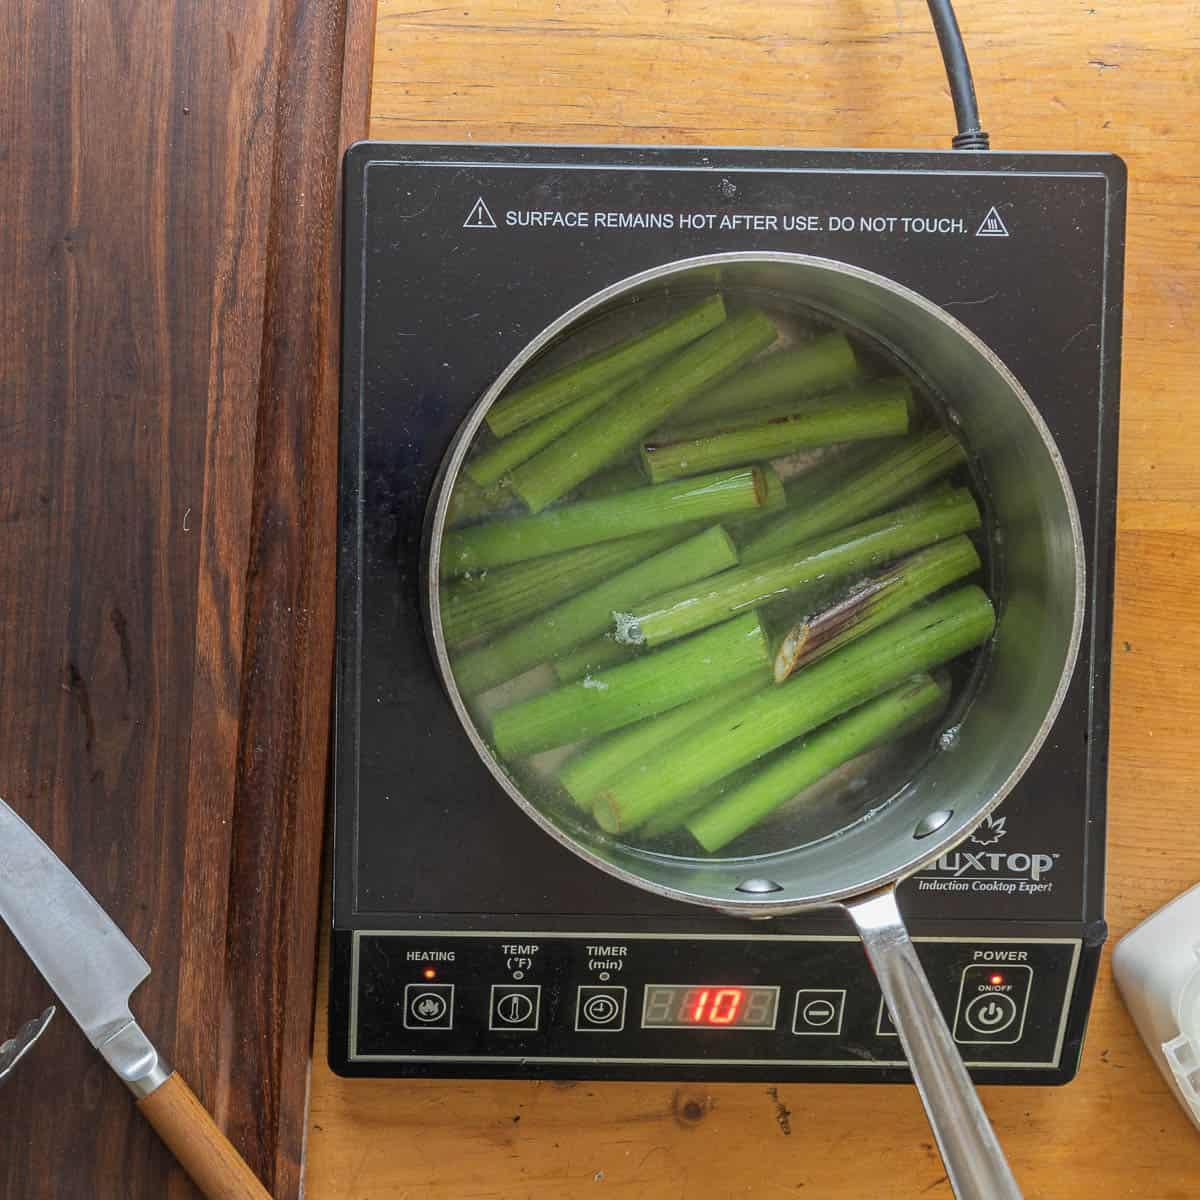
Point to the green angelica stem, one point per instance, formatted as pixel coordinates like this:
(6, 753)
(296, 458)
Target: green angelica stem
(588, 612)
(531, 401)
(482, 604)
(781, 410)
(470, 502)
(817, 564)
(597, 764)
(781, 614)
(874, 602)
(917, 641)
(632, 691)
(827, 472)
(880, 410)
(866, 488)
(593, 655)
(607, 434)
(821, 365)
(623, 477)
(489, 466)
(918, 700)
(671, 818)
(835, 466)
(774, 501)
(588, 521)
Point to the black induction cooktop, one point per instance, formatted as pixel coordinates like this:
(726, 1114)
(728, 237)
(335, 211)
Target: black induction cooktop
(466, 941)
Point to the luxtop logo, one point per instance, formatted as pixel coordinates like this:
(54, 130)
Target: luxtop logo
(991, 831)
(1030, 866)
(975, 867)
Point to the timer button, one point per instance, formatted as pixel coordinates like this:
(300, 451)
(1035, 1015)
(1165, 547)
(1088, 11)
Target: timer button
(600, 1009)
(819, 1011)
(428, 1006)
(515, 1007)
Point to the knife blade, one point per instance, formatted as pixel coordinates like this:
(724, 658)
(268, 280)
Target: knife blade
(16, 1047)
(94, 969)
(84, 957)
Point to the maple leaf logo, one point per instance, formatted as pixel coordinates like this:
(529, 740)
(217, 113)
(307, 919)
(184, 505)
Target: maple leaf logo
(990, 832)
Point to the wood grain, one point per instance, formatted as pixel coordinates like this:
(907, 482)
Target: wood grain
(1094, 76)
(203, 1151)
(167, 423)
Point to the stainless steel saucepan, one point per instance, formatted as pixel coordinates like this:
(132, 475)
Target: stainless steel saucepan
(1037, 585)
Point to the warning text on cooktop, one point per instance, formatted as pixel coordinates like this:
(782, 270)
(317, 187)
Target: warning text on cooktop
(480, 217)
(747, 222)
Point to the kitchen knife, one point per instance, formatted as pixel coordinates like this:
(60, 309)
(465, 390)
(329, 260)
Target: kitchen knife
(93, 967)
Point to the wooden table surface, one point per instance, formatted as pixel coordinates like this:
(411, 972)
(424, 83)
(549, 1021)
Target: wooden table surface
(1093, 75)
(168, 425)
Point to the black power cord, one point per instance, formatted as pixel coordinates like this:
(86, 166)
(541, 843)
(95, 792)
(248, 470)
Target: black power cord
(970, 135)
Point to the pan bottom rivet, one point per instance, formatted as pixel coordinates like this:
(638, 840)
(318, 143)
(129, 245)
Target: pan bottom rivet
(932, 823)
(758, 886)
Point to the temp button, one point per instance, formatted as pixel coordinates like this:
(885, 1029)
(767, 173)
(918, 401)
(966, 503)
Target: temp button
(515, 1007)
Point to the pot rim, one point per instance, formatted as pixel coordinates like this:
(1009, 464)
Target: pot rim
(931, 847)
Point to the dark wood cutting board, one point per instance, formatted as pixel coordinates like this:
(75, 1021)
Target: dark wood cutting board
(168, 357)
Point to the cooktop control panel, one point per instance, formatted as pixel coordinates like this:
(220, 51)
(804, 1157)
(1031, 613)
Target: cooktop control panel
(522, 999)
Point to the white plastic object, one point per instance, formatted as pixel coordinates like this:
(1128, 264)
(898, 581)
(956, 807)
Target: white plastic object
(1157, 969)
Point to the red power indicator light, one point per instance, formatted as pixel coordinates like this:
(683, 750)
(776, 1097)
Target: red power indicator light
(996, 980)
(429, 973)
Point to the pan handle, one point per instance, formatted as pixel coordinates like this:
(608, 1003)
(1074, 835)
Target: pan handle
(974, 1161)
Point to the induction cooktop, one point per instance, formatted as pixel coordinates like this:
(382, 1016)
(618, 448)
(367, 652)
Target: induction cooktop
(466, 941)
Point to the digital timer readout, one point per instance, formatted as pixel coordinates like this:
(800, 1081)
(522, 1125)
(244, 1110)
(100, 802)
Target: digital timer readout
(710, 1006)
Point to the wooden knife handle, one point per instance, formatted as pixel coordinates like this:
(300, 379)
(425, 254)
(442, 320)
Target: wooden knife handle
(201, 1149)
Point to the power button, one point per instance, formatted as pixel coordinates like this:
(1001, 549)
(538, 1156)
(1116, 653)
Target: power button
(992, 1000)
(991, 1014)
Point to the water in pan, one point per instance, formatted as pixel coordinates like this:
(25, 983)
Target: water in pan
(844, 796)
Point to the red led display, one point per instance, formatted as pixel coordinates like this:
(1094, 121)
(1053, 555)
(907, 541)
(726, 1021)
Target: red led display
(717, 1007)
(681, 1006)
